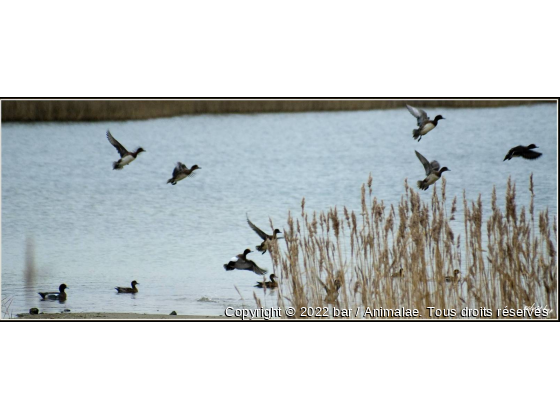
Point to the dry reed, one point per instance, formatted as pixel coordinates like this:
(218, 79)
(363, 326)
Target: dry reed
(404, 257)
(101, 110)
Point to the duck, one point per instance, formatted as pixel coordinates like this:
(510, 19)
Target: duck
(425, 125)
(60, 295)
(181, 172)
(454, 277)
(433, 172)
(272, 284)
(126, 156)
(240, 262)
(263, 247)
(132, 289)
(523, 151)
(398, 274)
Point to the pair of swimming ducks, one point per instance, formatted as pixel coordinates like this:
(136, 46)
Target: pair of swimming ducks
(61, 294)
(180, 171)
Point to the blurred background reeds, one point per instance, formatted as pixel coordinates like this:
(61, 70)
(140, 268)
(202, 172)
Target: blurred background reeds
(101, 110)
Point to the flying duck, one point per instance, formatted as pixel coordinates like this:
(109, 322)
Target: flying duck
(181, 172)
(425, 125)
(433, 172)
(524, 152)
(132, 289)
(60, 295)
(126, 156)
(454, 277)
(240, 262)
(272, 284)
(263, 247)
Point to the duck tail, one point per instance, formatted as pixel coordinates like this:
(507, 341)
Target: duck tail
(416, 133)
(116, 165)
(228, 267)
(422, 185)
(261, 248)
(170, 181)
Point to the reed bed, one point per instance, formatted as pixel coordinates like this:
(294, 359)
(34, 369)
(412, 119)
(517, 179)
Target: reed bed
(399, 257)
(101, 110)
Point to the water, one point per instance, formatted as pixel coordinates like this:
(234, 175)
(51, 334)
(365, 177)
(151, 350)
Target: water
(94, 228)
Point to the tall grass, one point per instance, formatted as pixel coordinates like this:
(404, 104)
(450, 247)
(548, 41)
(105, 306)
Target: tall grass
(354, 260)
(99, 110)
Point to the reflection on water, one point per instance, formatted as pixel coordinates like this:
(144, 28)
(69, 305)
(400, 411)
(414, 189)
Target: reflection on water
(94, 228)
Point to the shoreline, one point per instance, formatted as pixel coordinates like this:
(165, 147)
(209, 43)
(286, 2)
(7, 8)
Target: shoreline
(115, 316)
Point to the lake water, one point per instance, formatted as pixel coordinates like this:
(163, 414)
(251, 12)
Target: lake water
(94, 228)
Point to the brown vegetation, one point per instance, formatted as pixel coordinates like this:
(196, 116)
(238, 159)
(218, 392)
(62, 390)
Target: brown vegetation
(405, 257)
(101, 110)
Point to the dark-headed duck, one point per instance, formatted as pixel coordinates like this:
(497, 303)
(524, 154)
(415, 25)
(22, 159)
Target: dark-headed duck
(240, 262)
(433, 172)
(126, 156)
(524, 152)
(132, 289)
(272, 284)
(425, 125)
(456, 275)
(181, 172)
(60, 295)
(263, 247)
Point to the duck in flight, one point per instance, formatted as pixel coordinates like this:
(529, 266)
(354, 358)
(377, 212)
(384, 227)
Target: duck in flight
(126, 156)
(263, 247)
(433, 172)
(60, 295)
(523, 151)
(132, 289)
(240, 262)
(425, 125)
(272, 284)
(181, 172)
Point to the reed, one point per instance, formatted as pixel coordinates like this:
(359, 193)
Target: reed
(102, 110)
(404, 256)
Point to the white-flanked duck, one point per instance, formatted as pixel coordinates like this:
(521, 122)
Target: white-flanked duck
(523, 151)
(433, 172)
(263, 247)
(272, 284)
(60, 295)
(425, 125)
(455, 277)
(181, 172)
(240, 262)
(126, 156)
(132, 289)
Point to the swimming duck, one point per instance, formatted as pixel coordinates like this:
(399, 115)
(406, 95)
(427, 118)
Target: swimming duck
(524, 152)
(425, 125)
(132, 289)
(454, 277)
(60, 295)
(272, 284)
(126, 156)
(240, 262)
(263, 247)
(433, 172)
(181, 172)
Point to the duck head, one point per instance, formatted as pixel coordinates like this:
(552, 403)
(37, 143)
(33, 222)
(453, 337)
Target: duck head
(195, 167)
(532, 146)
(438, 117)
(247, 251)
(62, 287)
(272, 277)
(444, 169)
(134, 283)
(139, 150)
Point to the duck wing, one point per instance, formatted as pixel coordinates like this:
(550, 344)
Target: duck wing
(427, 165)
(259, 232)
(420, 114)
(530, 154)
(120, 148)
(435, 165)
(256, 269)
(180, 167)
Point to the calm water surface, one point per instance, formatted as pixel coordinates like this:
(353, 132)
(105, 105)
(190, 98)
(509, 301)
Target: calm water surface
(94, 228)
